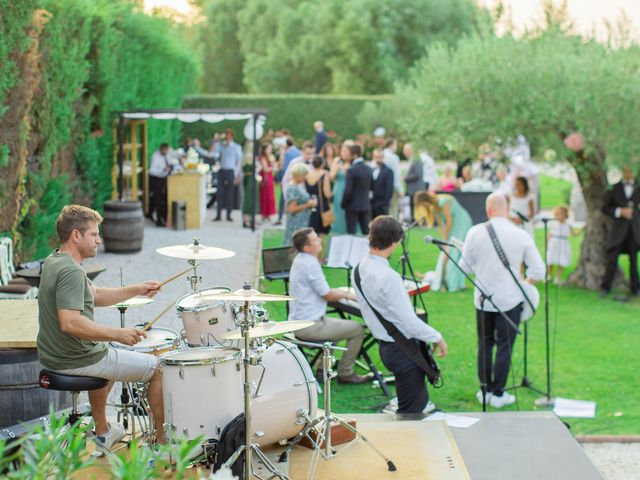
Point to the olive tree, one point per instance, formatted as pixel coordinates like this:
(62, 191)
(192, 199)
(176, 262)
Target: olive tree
(577, 97)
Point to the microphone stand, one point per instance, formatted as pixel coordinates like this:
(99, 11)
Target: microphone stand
(406, 265)
(483, 297)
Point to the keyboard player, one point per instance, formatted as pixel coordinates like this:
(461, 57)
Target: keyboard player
(309, 287)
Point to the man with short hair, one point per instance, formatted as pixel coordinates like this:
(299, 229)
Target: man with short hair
(306, 157)
(230, 154)
(392, 160)
(382, 288)
(161, 166)
(621, 204)
(321, 135)
(382, 185)
(310, 289)
(479, 256)
(71, 343)
(355, 201)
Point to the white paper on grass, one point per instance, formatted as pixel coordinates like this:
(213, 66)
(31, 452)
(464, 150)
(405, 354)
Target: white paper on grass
(565, 407)
(455, 421)
(346, 251)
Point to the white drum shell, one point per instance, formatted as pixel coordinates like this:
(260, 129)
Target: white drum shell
(205, 318)
(288, 387)
(201, 399)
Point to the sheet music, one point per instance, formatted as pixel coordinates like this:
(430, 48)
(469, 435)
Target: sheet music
(346, 251)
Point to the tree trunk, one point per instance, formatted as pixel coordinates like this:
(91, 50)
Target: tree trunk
(593, 259)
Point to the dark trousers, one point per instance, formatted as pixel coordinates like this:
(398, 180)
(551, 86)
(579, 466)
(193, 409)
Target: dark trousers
(158, 198)
(629, 245)
(410, 379)
(497, 333)
(381, 210)
(226, 186)
(361, 217)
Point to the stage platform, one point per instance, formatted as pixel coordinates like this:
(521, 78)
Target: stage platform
(501, 446)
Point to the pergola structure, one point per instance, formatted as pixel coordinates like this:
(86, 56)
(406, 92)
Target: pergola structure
(136, 121)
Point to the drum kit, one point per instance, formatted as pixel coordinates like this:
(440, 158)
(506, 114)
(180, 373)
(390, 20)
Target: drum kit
(224, 363)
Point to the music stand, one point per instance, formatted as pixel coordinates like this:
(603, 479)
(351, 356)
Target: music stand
(346, 251)
(276, 265)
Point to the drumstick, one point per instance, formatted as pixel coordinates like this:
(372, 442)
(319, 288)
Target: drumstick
(179, 274)
(148, 325)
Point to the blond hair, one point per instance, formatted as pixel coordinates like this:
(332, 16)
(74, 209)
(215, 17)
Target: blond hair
(426, 206)
(75, 217)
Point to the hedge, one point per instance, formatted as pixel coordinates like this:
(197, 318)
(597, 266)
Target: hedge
(65, 67)
(296, 112)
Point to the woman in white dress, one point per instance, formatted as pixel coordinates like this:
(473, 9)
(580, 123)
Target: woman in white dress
(522, 206)
(559, 249)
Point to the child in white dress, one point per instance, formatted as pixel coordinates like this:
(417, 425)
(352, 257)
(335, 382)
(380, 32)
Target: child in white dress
(559, 249)
(522, 205)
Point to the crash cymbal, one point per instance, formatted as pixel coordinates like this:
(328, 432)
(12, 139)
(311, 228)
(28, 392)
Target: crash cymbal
(269, 329)
(134, 302)
(195, 251)
(250, 295)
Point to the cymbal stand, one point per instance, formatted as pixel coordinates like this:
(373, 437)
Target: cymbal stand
(129, 407)
(194, 279)
(322, 424)
(250, 448)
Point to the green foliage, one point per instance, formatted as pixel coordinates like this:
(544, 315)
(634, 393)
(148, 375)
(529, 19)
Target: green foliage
(96, 57)
(333, 46)
(15, 17)
(295, 112)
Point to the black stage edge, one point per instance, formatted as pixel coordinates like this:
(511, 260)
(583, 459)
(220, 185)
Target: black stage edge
(522, 446)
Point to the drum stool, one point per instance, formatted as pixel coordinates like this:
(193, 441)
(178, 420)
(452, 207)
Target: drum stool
(75, 384)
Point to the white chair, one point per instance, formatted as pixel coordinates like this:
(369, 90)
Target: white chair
(8, 290)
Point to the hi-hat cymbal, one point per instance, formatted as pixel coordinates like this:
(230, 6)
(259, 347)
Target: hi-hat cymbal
(195, 251)
(250, 295)
(134, 302)
(269, 329)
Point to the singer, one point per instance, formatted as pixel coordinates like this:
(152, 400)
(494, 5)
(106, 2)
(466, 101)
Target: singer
(454, 222)
(621, 203)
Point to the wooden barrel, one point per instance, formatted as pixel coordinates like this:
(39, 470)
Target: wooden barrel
(21, 398)
(123, 226)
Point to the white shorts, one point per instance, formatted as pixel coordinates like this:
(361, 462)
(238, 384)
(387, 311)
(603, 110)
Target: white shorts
(119, 365)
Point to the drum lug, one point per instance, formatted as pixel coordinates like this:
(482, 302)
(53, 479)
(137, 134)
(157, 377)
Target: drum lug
(197, 315)
(301, 416)
(185, 432)
(181, 373)
(213, 369)
(238, 364)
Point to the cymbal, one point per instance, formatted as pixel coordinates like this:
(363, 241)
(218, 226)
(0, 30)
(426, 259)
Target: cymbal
(250, 295)
(195, 251)
(269, 329)
(134, 302)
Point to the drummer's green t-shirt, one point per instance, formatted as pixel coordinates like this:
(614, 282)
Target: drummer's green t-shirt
(64, 285)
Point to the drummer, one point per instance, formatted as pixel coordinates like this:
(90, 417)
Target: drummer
(71, 343)
(311, 291)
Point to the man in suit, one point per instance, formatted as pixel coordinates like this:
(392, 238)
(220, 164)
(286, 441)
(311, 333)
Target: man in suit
(621, 203)
(358, 183)
(382, 185)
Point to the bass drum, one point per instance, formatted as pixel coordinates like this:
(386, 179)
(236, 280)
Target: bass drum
(287, 393)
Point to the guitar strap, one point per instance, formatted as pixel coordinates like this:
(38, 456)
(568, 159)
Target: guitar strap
(505, 262)
(416, 350)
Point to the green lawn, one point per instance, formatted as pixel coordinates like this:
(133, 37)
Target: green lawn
(554, 192)
(594, 349)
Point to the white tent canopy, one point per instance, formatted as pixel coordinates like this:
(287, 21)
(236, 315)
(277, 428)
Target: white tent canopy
(192, 117)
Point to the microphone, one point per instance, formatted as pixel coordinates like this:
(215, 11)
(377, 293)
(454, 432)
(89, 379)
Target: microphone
(435, 241)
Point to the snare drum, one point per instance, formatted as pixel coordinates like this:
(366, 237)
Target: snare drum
(205, 318)
(159, 340)
(288, 389)
(202, 391)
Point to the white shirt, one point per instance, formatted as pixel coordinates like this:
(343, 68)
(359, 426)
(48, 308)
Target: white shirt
(392, 161)
(429, 172)
(479, 257)
(161, 165)
(385, 289)
(307, 286)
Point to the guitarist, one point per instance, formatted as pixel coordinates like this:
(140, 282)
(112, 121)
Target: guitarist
(382, 288)
(480, 257)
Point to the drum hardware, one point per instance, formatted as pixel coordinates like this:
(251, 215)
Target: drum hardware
(322, 424)
(250, 448)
